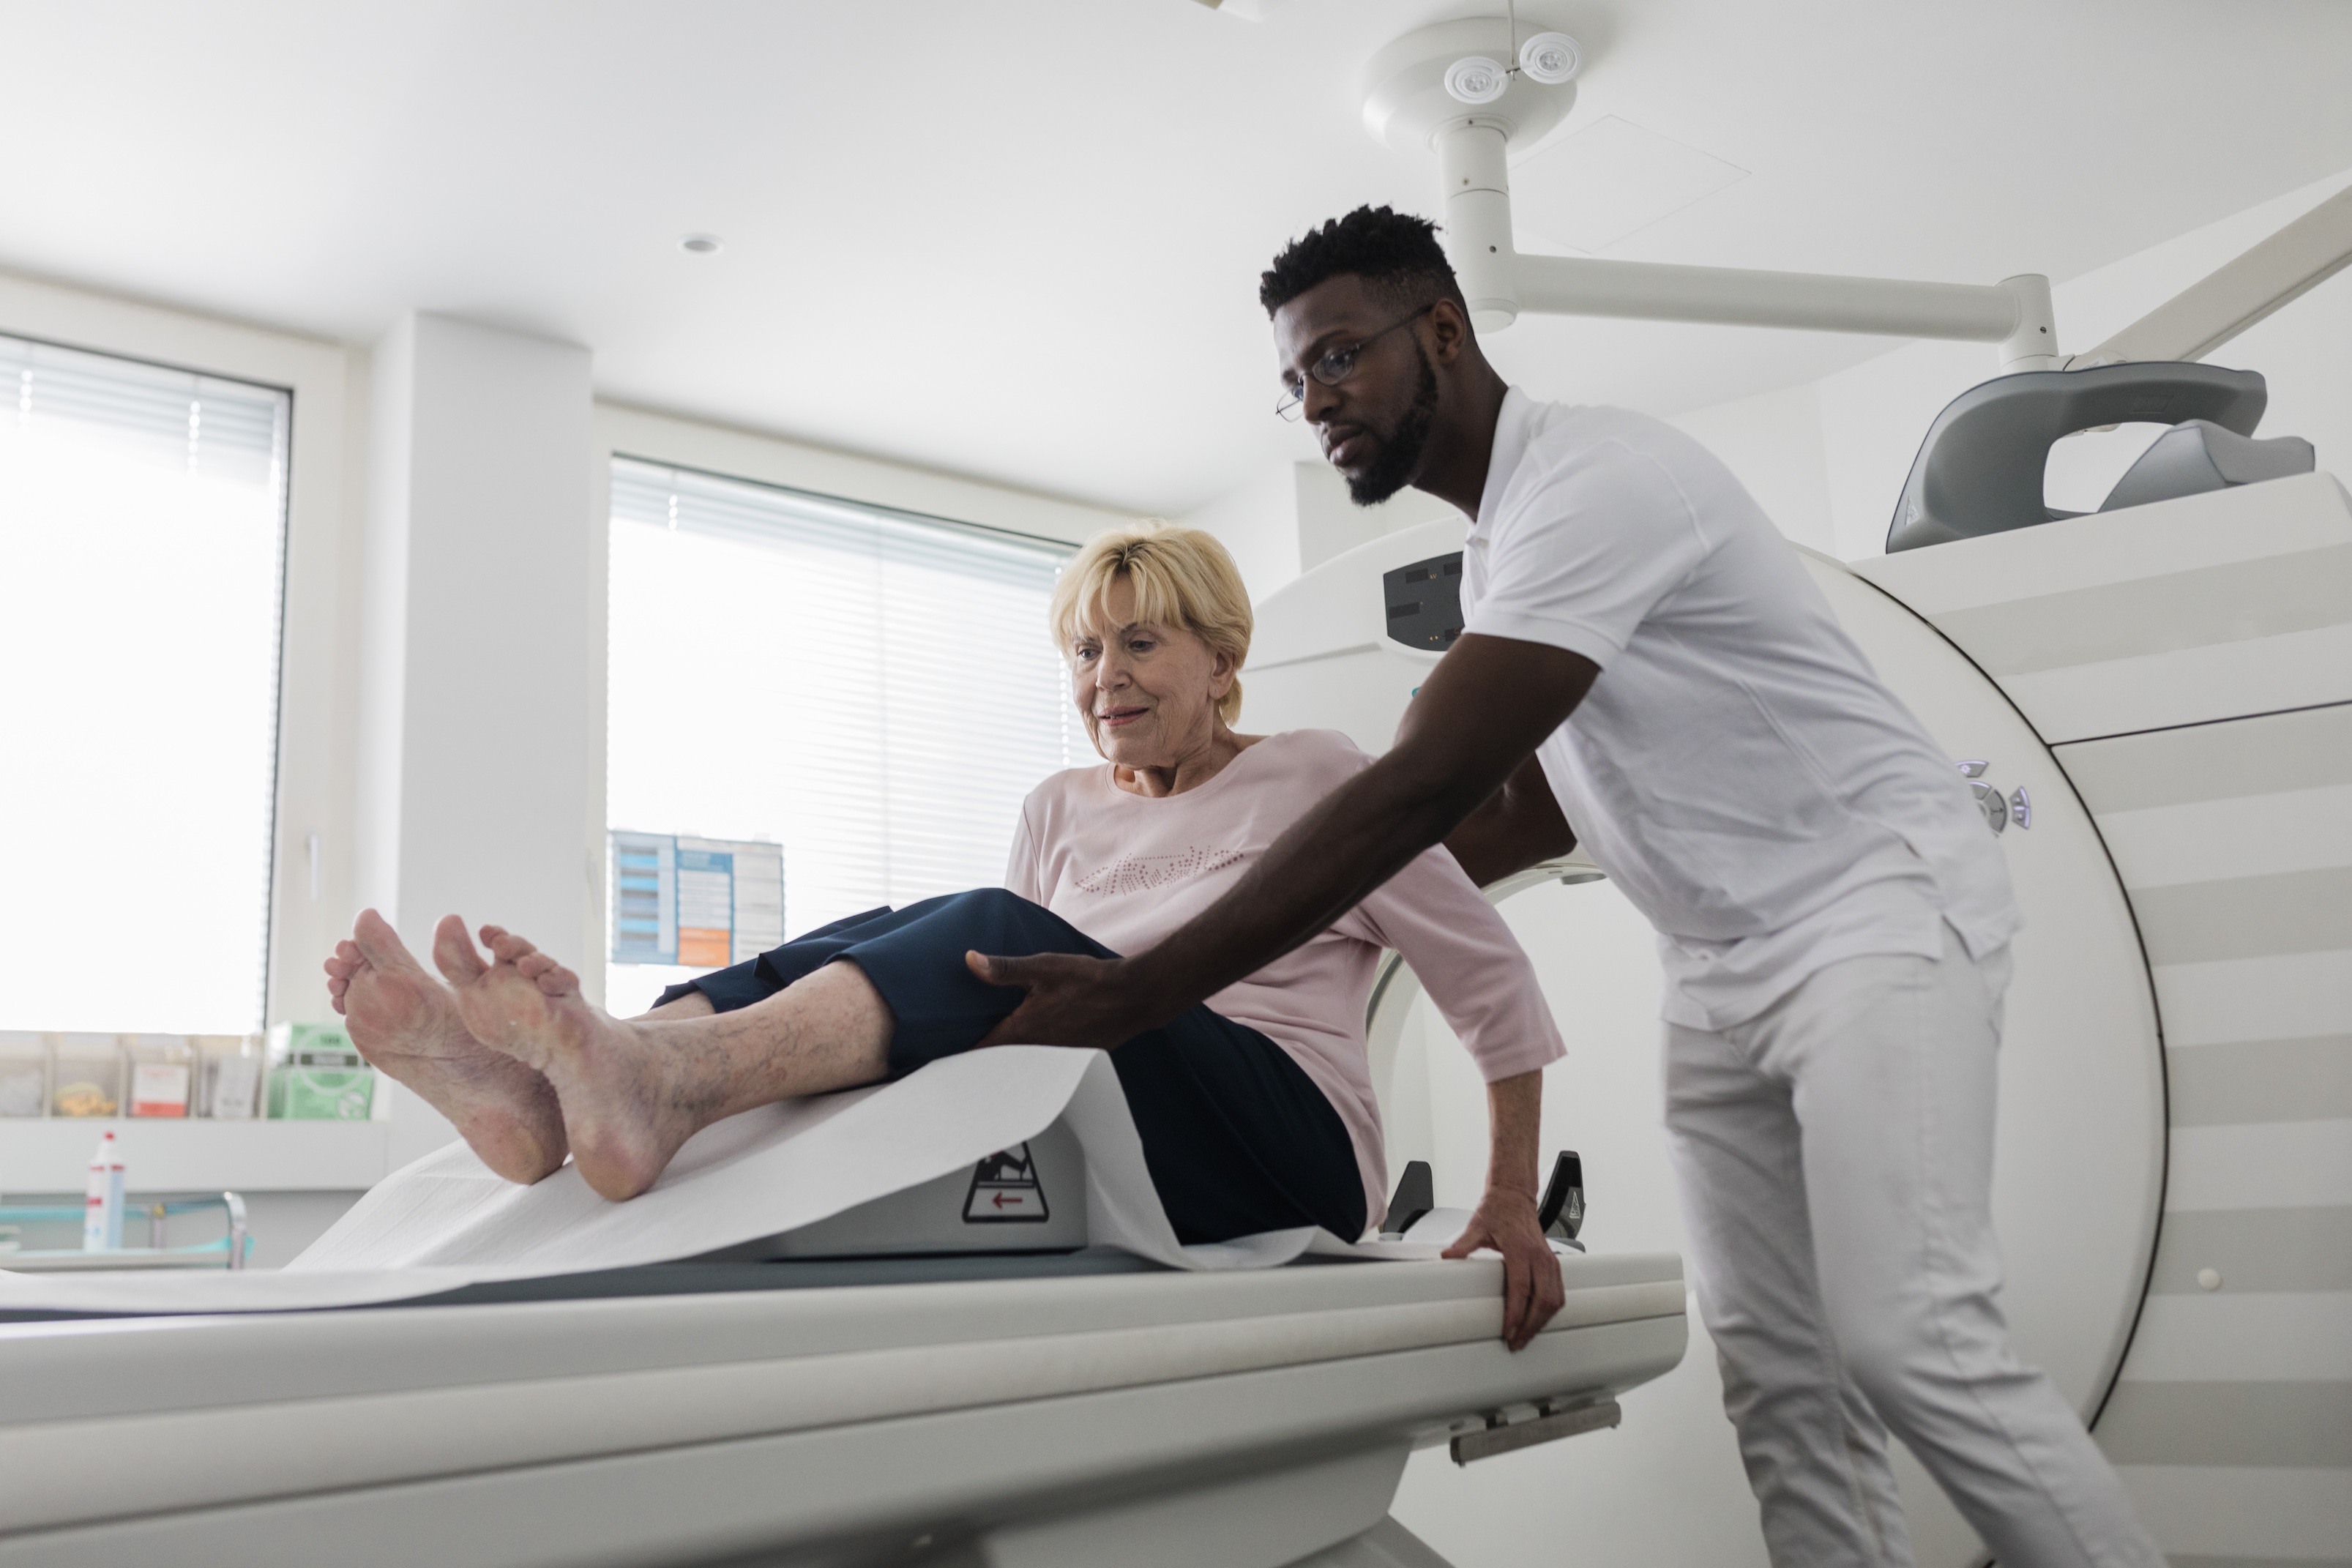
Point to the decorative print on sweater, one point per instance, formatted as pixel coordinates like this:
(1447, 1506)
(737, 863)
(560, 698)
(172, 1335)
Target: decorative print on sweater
(1138, 873)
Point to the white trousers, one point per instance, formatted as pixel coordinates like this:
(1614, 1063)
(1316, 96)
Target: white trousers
(1835, 1163)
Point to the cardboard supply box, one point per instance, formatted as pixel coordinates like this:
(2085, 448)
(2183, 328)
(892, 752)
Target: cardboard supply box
(333, 1088)
(287, 1039)
(24, 1073)
(316, 1075)
(162, 1075)
(231, 1070)
(87, 1074)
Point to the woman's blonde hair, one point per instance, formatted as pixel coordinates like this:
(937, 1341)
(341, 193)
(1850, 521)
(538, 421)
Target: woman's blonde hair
(1183, 578)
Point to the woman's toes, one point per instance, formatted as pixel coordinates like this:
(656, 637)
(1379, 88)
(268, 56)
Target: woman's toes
(507, 947)
(454, 953)
(554, 980)
(534, 964)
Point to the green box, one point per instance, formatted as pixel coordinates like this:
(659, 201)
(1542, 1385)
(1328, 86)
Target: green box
(301, 1091)
(290, 1042)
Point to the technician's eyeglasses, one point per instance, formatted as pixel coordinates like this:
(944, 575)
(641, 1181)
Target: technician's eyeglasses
(1338, 364)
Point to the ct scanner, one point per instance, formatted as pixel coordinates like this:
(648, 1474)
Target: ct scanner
(2155, 704)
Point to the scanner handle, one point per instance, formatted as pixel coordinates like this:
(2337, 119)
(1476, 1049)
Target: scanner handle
(1561, 1212)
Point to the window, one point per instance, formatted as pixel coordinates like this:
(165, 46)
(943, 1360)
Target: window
(142, 539)
(870, 690)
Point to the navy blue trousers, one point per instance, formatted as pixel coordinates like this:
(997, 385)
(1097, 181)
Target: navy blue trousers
(1238, 1139)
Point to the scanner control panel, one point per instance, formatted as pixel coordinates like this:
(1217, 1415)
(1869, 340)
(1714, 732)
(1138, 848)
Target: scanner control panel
(1424, 601)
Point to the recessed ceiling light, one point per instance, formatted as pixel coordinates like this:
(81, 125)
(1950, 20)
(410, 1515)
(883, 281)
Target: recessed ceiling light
(1475, 78)
(1551, 58)
(700, 245)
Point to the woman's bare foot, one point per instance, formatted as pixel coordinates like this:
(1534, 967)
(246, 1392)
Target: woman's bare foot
(627, 1106)
(407, 1024)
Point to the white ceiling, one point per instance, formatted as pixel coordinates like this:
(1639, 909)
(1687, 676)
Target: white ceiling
(1021, 240)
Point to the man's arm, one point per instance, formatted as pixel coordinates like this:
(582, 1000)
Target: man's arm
(1480, 715)
(1520, 826)
(1506, 1218)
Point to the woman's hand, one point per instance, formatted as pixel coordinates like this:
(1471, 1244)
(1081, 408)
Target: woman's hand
(1505, 1220)
(1072, 1001)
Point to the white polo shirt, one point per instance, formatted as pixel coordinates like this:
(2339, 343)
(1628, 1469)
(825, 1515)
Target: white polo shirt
(1738, 769)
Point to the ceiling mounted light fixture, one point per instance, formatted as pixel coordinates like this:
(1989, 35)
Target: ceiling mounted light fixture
(1475, 78)
(701, 244)
(1551, 58)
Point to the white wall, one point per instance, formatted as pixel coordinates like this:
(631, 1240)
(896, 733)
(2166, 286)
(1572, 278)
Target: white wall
(776, 460)
(479, 631)
(1773, 442)
(1258, 524)
(1862, 426)
(1295, 516)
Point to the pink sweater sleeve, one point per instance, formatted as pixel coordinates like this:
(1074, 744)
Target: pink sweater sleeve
(1021, 861)
(1468, 961)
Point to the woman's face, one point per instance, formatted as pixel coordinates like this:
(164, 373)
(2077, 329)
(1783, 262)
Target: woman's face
(1148, 693)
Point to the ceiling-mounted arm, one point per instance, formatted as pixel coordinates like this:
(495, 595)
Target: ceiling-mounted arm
(1500, 283)
(1409, 105)
(1412, 100)
(2202, 318)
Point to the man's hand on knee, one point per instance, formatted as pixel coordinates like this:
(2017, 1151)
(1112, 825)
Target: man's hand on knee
(1072, 1000)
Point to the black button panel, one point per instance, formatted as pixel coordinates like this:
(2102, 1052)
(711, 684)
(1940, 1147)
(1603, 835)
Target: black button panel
(1424, 601)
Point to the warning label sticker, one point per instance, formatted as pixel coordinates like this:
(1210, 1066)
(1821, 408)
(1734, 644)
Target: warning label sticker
(1004, 1190)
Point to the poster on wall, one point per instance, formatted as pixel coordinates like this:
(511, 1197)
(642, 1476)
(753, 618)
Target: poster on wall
(703, 903)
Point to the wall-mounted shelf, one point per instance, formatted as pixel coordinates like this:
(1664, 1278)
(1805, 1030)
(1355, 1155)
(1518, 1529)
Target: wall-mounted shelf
(52, 1155)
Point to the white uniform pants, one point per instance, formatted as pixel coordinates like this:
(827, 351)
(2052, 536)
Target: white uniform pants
(1835, 1162)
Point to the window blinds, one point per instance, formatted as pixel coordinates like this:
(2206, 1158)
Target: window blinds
(873, 689)
(142, 532)
(225, 430)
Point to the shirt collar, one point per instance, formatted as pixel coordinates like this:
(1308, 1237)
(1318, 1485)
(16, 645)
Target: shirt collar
(1514, 426)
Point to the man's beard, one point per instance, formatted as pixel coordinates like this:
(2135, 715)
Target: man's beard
(1393, 465)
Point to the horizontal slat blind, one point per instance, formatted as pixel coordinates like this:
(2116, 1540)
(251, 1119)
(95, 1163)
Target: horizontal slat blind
(874, 690)
(142, 532)
(229, 430)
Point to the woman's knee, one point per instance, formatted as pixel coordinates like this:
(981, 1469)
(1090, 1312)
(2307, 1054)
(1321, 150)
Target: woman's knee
(1003, 922)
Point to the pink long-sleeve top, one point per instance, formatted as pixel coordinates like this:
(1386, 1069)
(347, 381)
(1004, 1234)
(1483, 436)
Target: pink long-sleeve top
(1127, 869)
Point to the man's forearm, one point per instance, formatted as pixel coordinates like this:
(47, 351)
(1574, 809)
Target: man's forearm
(1519, 825)
(1359, 836)
(1478, 717)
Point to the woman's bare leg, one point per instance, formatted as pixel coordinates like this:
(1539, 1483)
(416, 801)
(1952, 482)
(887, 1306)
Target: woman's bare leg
(633, 1092)
(406, 1023)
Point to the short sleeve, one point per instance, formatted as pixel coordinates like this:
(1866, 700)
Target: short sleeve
(1588, 552)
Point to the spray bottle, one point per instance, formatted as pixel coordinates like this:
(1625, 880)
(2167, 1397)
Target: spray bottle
(101, 1222)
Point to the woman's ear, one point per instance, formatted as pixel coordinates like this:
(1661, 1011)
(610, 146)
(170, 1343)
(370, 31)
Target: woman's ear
(1222, 670)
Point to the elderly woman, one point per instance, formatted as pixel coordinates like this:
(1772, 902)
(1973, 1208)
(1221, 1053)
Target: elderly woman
(1256, 1110)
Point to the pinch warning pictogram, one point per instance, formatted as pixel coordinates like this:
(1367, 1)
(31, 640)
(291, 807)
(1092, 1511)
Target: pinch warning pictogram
(1006, 1190)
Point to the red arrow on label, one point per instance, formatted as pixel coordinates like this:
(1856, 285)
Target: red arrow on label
(1001, 1199)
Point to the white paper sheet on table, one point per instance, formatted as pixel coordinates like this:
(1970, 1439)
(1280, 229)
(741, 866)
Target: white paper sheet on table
(447, 1220)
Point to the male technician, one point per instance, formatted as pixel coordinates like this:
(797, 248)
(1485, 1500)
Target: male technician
(1644, 657)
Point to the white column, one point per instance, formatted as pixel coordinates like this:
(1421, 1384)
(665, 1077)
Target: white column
(482, 662)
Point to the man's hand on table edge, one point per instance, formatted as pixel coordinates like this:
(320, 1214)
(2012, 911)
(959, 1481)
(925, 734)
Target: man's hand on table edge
(1072, 1000)
(1505, 1220)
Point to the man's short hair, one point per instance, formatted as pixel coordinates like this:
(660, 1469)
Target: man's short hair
(1396, 254)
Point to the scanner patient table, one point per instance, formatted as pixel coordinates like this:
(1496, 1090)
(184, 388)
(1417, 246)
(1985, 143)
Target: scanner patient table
(1090, 1407)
